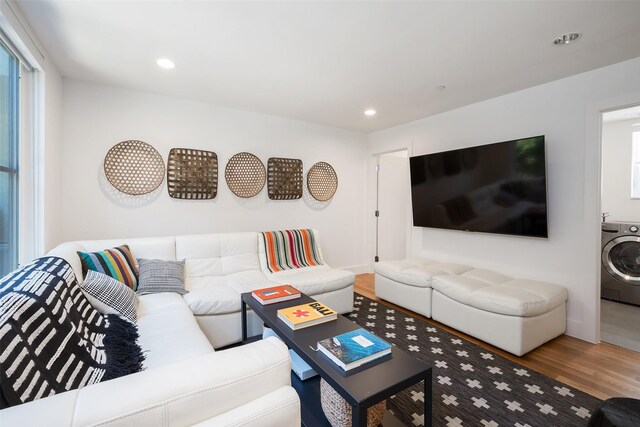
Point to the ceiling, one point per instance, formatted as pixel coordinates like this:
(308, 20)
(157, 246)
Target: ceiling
(326, 62)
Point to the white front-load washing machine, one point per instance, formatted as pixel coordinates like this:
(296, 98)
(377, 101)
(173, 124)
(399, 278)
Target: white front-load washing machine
(621, 262)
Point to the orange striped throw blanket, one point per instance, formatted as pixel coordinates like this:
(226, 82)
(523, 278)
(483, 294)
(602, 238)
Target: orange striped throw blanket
(289, 249)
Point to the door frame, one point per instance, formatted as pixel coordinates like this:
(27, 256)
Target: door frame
(593, 200)
(373, 205)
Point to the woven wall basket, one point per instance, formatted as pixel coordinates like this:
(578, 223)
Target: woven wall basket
(192, 174)
(338, 411)
(284, 178)
(134, 167)
(245, 175)
(322, 181)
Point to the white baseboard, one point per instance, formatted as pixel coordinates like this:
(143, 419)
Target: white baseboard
(575, 328)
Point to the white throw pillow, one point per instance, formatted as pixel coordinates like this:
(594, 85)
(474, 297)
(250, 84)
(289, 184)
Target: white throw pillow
(109, 296)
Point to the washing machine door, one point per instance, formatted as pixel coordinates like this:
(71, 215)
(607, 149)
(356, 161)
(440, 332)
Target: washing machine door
(621, 258)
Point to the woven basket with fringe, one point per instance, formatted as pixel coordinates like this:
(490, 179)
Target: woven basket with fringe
(338, 411)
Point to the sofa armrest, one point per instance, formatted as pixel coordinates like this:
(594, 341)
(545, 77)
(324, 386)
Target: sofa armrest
(180, 394)
(280, 408)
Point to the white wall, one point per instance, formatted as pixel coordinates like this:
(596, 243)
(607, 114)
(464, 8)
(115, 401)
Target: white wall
(96, 117)
(616, 172)
(53, 160)
(566, 111)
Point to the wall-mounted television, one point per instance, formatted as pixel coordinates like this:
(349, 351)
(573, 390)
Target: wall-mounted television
(495, 188)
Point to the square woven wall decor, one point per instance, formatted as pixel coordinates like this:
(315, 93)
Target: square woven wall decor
(284, 178)
(192, 174)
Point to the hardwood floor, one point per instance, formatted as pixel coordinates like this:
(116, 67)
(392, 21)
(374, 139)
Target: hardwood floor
(602, 370)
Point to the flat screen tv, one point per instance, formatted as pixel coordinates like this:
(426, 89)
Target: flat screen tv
(495, 188)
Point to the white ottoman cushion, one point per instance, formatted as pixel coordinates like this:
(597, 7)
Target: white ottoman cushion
(488, 276)
(417, 271)
(494, 292)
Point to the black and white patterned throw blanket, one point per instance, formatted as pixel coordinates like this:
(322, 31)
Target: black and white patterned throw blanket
(52, 339)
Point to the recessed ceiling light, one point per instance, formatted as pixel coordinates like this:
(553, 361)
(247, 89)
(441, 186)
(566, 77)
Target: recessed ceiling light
(370, 112)
(566, 39)
(166, 63)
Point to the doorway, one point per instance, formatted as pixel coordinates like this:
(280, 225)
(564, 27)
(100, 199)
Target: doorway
(392, 205)
(620, 237)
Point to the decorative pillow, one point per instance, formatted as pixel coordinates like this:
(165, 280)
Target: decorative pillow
(109, 296)
(156, 275)
(289, 249)
(116, 262)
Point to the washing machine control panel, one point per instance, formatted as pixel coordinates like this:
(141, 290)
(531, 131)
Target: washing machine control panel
(633, 229)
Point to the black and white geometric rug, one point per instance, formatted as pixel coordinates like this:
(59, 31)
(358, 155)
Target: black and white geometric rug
(471, 386)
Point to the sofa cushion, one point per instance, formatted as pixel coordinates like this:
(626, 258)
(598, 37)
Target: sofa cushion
(497, 293)
(168, 331)
(210, 294)
(417, 271)
(314, 280)
(115, 262)
(156, 275)
(218, 254)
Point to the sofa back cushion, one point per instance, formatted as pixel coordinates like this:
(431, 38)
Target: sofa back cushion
(69, 252)
(143, 247)
(289, 249)
(218, 254)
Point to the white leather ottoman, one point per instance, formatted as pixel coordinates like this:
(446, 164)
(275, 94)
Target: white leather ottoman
(515, 315)
(408, 282)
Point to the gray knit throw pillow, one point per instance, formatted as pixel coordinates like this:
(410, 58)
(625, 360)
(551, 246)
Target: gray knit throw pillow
(156, 275)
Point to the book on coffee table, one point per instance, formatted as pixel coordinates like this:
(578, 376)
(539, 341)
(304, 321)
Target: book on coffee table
(354, 348)
(305, 315)
(275, 294)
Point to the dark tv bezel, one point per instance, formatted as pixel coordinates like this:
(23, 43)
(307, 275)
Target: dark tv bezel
(546, 190)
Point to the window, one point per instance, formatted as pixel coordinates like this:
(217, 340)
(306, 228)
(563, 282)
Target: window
(635, 165)
(9, 125)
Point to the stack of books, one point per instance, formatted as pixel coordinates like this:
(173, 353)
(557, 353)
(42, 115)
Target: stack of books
(354, 348)
(305, 315)
(275, 294)
(300, 367)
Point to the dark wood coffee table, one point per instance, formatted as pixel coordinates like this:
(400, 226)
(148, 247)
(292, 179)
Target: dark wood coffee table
(361, 387)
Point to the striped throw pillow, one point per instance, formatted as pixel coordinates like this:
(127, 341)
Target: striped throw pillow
(289, 249)
(116, 262)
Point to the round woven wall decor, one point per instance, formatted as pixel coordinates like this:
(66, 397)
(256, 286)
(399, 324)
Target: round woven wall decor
(322, 181)
(245, 175)
(134, 167)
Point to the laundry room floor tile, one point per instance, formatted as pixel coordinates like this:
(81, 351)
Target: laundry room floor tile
(620, 324)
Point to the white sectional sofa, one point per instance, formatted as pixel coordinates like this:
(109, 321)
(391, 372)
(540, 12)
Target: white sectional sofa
(516, 315)
(185, 381)
(218, 268)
